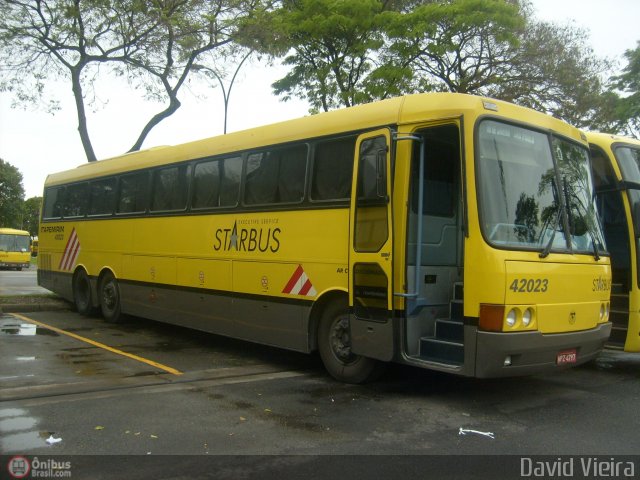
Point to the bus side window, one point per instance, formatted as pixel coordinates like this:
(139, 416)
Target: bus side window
(133, 193)
(277, 176)
(76, 200)
(230, 183)
(261, 179)
(102, 194)
(333, 169)
(53, 202)
(216, 183)
(170, 186)
(292, 174)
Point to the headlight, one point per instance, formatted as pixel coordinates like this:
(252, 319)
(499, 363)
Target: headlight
(527, 317)
(512, 317)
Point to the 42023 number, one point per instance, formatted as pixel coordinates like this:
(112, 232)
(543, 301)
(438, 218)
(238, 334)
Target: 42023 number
(529, 285)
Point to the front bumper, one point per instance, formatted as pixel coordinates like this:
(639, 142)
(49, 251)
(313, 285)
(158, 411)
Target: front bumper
(534, 352)
(14, 265)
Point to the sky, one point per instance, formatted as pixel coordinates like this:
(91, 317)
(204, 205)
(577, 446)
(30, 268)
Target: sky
(38, 143)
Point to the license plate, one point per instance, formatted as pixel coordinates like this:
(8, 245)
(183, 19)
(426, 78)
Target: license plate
(567, 357)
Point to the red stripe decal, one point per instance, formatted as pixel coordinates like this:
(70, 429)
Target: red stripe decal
(305, 288)
(293, 280)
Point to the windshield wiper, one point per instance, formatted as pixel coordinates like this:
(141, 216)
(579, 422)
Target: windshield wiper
(545, 251)
(579, 204)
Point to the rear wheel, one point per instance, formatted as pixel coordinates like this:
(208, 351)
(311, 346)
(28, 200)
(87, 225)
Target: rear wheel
(334, 345)
(109, 293)
(82, 293)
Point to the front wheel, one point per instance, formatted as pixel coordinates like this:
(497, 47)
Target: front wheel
(334, 345)
(110, 299)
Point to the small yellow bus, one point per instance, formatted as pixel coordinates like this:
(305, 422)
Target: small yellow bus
(445, 231)
(15, 248)
(616, 173)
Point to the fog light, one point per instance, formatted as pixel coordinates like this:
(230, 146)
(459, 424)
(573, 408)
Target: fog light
(511, 317)
(507, 361)
(526, 317)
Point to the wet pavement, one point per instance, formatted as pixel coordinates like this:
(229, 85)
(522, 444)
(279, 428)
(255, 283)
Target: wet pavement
(74, 386)
(20, 283)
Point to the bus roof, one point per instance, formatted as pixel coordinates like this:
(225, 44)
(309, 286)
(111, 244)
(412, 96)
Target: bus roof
(393, 111)
(604, 140)
(13, 231)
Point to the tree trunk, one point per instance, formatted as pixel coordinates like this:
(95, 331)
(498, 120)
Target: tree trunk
(82, 116)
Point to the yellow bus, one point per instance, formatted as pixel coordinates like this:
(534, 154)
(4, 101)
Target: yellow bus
(445, 231)
(15, 249)
(616, 173)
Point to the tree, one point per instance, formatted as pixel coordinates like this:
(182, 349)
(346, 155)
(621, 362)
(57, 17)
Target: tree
(456, 46)
(153, 44)
(31, 211)
(554, 70)
(11, 195)
(331, 48)
(628, 107)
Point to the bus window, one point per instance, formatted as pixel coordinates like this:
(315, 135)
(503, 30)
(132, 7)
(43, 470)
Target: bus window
(76, 200)
(170, 186)
(53, 197)
(277, 176)
(102, 194)
(133, 193)
(216, 183)
(333, 169)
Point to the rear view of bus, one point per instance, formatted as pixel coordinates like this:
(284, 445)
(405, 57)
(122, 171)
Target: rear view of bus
(616, 171)
(15, 248)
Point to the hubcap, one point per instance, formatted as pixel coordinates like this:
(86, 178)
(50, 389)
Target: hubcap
(341, 340)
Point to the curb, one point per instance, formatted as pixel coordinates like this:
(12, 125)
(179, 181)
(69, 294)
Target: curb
(36, 307)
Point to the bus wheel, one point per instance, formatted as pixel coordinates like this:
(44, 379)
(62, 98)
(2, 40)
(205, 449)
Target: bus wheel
(334, 345)
(82, 293)
(110, 298)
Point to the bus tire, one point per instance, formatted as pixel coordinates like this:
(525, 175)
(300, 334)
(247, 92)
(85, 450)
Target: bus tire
(334, 345)
(109, 293)
(18, 269)
(82, 293)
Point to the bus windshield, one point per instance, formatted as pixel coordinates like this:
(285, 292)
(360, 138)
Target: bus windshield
(535, 191)
(14, 243)
(629, 161)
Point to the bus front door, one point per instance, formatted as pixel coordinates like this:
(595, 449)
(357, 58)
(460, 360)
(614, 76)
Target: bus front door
(371, 248)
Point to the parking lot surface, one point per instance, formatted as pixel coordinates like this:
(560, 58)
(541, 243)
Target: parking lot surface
(73, 385)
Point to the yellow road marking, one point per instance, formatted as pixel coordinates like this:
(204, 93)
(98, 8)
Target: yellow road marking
(99, 345)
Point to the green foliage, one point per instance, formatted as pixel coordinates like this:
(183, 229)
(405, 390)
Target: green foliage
(11, 195)
(331, 47)
(31, 211)
(627, 110)
(554, 70)
(457, 46)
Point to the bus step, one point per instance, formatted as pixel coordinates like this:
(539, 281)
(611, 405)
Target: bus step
(620, 301)
(441, 351)
(458, 291)
(618, 337)
(618, 288)
(449, 330)
(619, 318)
(456, 310)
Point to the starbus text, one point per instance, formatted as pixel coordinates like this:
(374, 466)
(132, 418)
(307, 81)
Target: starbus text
(247, 239)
